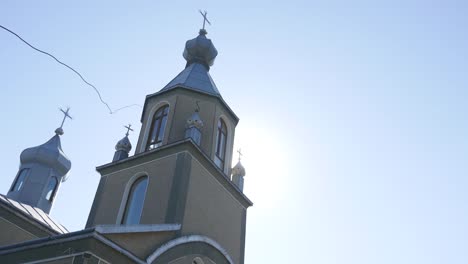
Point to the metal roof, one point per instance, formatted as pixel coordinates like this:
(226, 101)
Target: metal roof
(34, 214)
(49, 154)
(194, 77)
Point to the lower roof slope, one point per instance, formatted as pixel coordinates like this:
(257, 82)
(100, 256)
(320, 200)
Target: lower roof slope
(32, 213)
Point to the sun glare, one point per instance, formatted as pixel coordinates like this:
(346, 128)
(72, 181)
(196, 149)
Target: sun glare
(265, 160)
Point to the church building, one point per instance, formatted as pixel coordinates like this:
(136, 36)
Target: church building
(177, 200)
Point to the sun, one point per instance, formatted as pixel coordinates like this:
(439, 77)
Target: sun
(265, 160)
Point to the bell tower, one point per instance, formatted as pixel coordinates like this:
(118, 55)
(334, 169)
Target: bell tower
(181, 171)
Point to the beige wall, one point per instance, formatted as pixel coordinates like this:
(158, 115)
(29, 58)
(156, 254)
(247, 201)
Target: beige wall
(182, 105)
(207, 207)
(12, 234)
(140, 244)
(111, 201)
(212, 211)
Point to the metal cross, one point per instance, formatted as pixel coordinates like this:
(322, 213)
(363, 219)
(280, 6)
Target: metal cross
(128, 129)
(65, 115)
(240, 154)
(204, 18)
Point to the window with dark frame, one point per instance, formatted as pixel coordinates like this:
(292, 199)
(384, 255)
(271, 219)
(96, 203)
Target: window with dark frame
(158, 127)
(221, 138)
(135, 201)
(19, 183)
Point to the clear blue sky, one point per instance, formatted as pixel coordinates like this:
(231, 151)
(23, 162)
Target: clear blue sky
(353, 116)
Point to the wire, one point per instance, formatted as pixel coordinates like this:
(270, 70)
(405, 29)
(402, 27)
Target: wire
(71, 68)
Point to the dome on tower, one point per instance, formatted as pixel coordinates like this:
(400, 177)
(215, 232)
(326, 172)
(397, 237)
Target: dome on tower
(200, 54)
(238, 170)
(124, 145)
(194, 121)
(201, 50)
(49, 154)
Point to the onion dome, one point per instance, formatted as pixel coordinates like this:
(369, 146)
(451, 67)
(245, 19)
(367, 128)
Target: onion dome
(200, 54)
(201, 50)
(49, 154)
(238, 170)
(194, 121)
(123, 145)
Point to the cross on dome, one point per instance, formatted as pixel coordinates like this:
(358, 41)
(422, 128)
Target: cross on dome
(128, 129)
(204, 19)
(240, 154)
(59, 131)
(65, 113)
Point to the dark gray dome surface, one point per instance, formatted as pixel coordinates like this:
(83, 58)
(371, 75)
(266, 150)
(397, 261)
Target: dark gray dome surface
(200, 49)
(49, 153)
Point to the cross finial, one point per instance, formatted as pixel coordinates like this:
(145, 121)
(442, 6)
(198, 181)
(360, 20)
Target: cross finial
(128, 129)
(59, 131)
(240, 154)
(204, 19)
(65, 115)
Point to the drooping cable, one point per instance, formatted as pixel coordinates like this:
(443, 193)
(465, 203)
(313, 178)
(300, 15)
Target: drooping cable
(71, 68)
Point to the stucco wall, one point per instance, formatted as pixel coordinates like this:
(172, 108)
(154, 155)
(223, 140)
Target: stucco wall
(182, 105)
(212, 211)
(110, 199)
(12, 233)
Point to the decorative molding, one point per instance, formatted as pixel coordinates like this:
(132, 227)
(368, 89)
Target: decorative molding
(116, 229)
(188, 239)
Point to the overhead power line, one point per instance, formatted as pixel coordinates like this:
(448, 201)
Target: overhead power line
(72, 69)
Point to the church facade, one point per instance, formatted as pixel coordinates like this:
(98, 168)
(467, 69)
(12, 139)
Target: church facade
(177, 200)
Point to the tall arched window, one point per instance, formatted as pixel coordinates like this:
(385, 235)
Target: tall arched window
(19, 183)
(135, 200)
(158, 126)
(221, 138)
(51, 189)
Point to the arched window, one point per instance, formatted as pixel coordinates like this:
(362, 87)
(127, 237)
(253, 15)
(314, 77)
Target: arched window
(135, 200)
(158, 126)
(51, 189)
(19, 183)
(221, 138)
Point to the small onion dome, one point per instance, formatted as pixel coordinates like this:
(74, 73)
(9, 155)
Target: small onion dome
(238, 170)
(194, 121)
(201, 50)
(123, 145)
(49, 154)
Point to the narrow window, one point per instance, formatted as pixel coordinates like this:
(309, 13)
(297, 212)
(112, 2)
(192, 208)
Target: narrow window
(157, 128)
(51, 189)
(136, 198)
(221, 137)
(19, 183)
